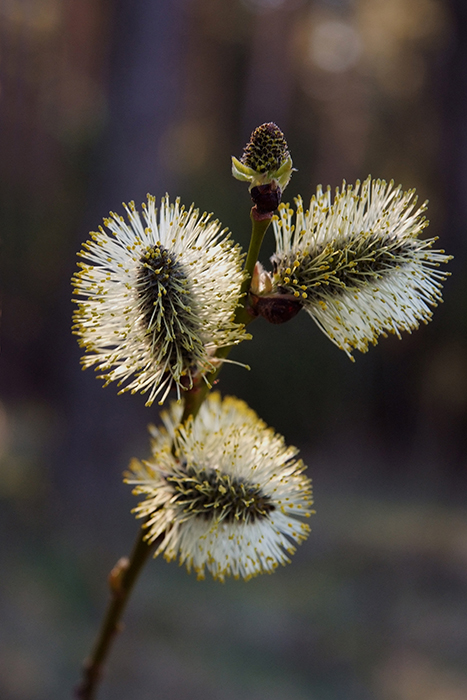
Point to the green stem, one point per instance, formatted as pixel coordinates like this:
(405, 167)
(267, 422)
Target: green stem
(121, 582)
(259, 227)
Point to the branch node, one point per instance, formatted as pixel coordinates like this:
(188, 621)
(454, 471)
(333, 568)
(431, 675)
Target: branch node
(116, 575)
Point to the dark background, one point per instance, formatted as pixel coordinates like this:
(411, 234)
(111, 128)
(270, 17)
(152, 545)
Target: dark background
(104, 101)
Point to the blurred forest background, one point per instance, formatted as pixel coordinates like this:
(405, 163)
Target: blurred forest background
(102, 102)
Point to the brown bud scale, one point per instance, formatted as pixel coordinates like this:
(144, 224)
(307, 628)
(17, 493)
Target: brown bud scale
(276, 308)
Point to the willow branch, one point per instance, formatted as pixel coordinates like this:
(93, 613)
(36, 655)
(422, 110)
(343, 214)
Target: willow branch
(123, 576)
(121, 581)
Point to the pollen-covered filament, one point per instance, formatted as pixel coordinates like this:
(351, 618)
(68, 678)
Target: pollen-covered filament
(208, 493)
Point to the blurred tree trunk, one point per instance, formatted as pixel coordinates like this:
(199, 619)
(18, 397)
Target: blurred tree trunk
(146, 62)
